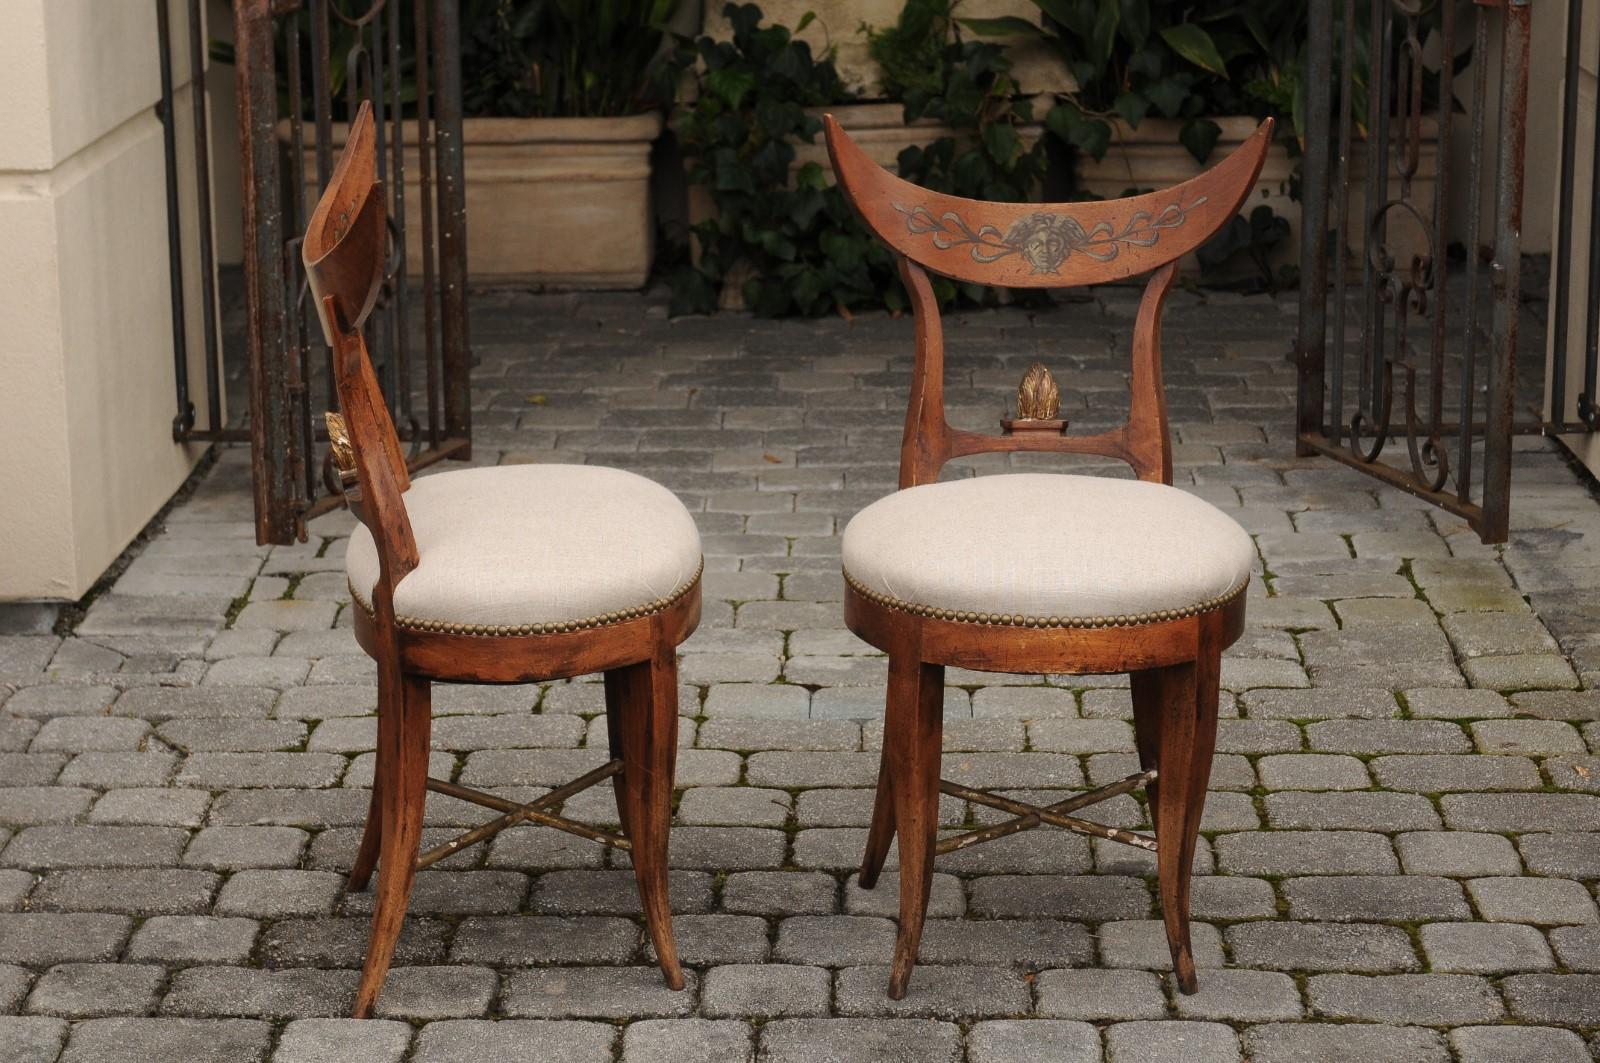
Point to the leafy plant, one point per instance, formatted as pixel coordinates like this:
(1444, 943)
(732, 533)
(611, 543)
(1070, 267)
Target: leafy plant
(780, 231)
(576, 58)
(1254, 238)
(966, 85)
(1172, 58)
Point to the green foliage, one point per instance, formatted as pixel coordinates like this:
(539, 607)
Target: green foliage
(787, 232)
(571, 58)
(1255, 238)
(1171, 58)
(966, 85)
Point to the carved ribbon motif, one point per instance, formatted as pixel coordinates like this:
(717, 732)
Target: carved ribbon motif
(1045, 240)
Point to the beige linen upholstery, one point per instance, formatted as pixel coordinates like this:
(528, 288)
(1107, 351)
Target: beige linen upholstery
(1035, 546)
(521, 545)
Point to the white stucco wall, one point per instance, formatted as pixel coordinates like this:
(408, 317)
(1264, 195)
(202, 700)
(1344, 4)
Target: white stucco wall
(86, 364)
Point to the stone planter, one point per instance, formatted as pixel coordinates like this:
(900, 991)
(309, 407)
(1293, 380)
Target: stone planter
(561, 203)
(1151, 157)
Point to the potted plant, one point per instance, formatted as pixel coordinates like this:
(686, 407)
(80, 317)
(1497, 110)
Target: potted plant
(562, 99)
(562, 102)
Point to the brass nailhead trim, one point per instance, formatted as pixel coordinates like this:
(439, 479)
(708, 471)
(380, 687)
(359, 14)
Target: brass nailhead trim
(557, 627)
(1018, 620)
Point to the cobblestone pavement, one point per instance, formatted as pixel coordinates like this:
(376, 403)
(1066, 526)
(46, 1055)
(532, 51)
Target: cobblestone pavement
(1400, 848)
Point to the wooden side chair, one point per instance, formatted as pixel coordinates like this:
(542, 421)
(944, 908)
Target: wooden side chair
(512, 574)
(1044, 573)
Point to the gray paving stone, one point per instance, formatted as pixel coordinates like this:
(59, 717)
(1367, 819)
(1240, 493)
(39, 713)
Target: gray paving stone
(594, 992)
(1577, 946)
(1521, 812)
(1241, 996)
(860, 1041)
(14, 983)
(49, 702)
(1291, 946)
(1457, 854)
(79, 734)
(1094, 898)
(1564, 854)
(942, 992)
(159, 891)
(1359, 810)
(734, 806)
(1312, 771)
(1405, 999)
(1543, 901)
(781, 893)
(152, 806)
(424, 994)
(1097, 995)
(1560, 999)
(191, 1040)
(1143, 943)
(1306, 853)
(1531, 1044)
(1456, 704)
(97, 990)
(271, 893)
(835, 940)
(205, 992)
(1171, 1042)
(1025, 1041)
(713, 939)
(1387, 736)
(1484, 948)
(688, 1041)
(348, 1040)
(239, 847)
(180, 940)
(342, 942)
(1320, 703)
(766, 991)
(1358, 898)
(39, 939)
(1034, 943)
(1430, 774)
(549, 1042)
(1343, 1043)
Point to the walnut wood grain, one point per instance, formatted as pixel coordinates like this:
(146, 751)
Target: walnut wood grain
(1175, 662)
(344, 253)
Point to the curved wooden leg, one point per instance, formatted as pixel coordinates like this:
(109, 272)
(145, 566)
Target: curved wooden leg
(647, 694)
(372, 833)
(881, 833)
(912, 740)
(401, 778)
(1185, 699)
(616, 710)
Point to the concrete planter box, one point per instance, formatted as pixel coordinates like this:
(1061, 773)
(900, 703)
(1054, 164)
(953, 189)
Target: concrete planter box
(1151, 157)
(560, 203)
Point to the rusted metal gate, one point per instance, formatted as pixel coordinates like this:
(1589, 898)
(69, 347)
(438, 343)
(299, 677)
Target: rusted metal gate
(1403, 350)
(302, 64)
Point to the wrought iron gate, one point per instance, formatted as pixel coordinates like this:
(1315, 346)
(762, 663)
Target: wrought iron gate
(405, 57)
(1431, 361)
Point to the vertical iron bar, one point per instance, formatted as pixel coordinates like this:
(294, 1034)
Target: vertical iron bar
(1311, 342)
(426, 206)
(397, 183)
(1561, 297)
(1469, 356)
(452, 225)
(1371, 380)
(1341, 223)
(183, 421)
(202, 157)
(1441, 217)
(264, 290)
(1507, 272)
(297, 339)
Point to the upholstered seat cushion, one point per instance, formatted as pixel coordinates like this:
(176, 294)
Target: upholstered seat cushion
(522, 545)
(1035, 546)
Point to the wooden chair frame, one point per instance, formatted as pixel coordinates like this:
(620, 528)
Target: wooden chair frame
(1174, 660)
(344, 252)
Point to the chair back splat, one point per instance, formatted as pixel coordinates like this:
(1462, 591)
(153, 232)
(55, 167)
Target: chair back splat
(1040, 245)
(343, 253)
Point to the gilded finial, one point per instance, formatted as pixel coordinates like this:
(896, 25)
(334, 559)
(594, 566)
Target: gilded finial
(1038, 399)
(344, 455)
